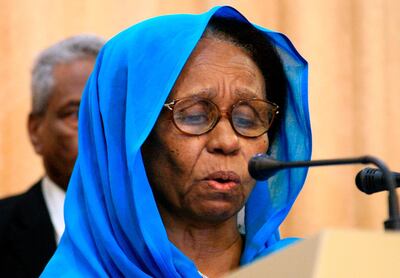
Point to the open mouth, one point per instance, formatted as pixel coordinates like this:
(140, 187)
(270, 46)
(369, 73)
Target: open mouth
(223, 180)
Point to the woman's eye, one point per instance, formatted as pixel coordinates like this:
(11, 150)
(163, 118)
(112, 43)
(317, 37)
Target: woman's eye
(193, 119)
(243, 121)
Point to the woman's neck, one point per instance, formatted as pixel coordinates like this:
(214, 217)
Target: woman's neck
(214, 248)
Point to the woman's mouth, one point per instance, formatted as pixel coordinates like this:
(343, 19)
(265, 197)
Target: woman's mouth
(223, 180)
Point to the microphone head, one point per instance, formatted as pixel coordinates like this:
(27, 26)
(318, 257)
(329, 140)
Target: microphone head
(369, 181)
(262, 166)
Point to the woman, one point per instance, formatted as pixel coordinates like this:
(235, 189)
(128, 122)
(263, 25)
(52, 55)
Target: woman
(175, 108)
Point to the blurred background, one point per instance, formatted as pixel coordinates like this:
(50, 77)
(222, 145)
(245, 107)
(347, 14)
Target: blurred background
(353, 50)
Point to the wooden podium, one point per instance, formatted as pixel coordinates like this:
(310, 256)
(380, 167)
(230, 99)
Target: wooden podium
(332, 254)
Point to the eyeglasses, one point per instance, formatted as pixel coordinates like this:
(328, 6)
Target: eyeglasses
(196, 116)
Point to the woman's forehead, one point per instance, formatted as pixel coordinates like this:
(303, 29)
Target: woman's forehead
(219, 67)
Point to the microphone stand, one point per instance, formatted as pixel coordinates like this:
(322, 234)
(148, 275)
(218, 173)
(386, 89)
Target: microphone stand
(393, 222)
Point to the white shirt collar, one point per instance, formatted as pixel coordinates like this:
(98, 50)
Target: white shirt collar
(54, 198)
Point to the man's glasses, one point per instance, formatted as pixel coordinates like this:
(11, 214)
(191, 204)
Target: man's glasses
(196, 116)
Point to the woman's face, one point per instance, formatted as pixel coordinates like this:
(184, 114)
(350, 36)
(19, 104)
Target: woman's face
(205, 178)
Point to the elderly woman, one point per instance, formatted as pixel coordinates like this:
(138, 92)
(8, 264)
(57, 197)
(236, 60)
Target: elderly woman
(174, 110)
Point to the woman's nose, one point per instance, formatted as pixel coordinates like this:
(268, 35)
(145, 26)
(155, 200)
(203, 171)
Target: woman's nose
(223, 139)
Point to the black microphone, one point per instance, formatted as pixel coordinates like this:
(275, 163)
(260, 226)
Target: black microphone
(262, 167)
(370, 180)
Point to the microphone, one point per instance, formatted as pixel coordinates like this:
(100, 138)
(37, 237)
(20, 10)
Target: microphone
(370, 180)
(262, 167)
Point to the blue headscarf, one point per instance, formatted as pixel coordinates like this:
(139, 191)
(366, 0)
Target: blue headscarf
(113, 227)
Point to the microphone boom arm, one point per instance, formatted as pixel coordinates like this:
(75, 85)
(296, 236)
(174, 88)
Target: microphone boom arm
(393, 223)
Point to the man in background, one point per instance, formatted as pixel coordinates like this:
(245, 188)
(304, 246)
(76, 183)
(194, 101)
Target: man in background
(32, 223)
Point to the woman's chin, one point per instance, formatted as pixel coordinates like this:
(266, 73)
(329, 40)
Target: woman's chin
(216, 211)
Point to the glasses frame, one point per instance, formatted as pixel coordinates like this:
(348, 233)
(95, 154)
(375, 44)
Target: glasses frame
(171, 105)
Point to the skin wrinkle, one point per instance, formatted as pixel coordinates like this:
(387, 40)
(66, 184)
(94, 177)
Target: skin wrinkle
(202, 62)
(200, 219)
(189, 239)
(221, 87)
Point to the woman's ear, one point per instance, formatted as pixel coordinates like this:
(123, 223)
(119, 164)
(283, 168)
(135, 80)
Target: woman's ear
(34, 124)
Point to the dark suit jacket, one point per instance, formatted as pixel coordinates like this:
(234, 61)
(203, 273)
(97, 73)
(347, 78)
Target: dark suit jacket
(27, 239)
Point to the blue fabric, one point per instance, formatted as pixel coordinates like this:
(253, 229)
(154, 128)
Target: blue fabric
(113, 227)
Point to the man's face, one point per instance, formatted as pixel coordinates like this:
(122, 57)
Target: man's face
(54, 133)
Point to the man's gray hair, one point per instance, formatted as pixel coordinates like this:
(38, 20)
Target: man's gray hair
(65, 51)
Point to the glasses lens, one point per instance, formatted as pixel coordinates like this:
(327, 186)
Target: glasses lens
(195, 116)
(252, 118)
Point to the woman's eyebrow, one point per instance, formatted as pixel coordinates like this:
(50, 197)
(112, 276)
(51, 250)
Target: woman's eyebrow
(204, 93)
(244, 93)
